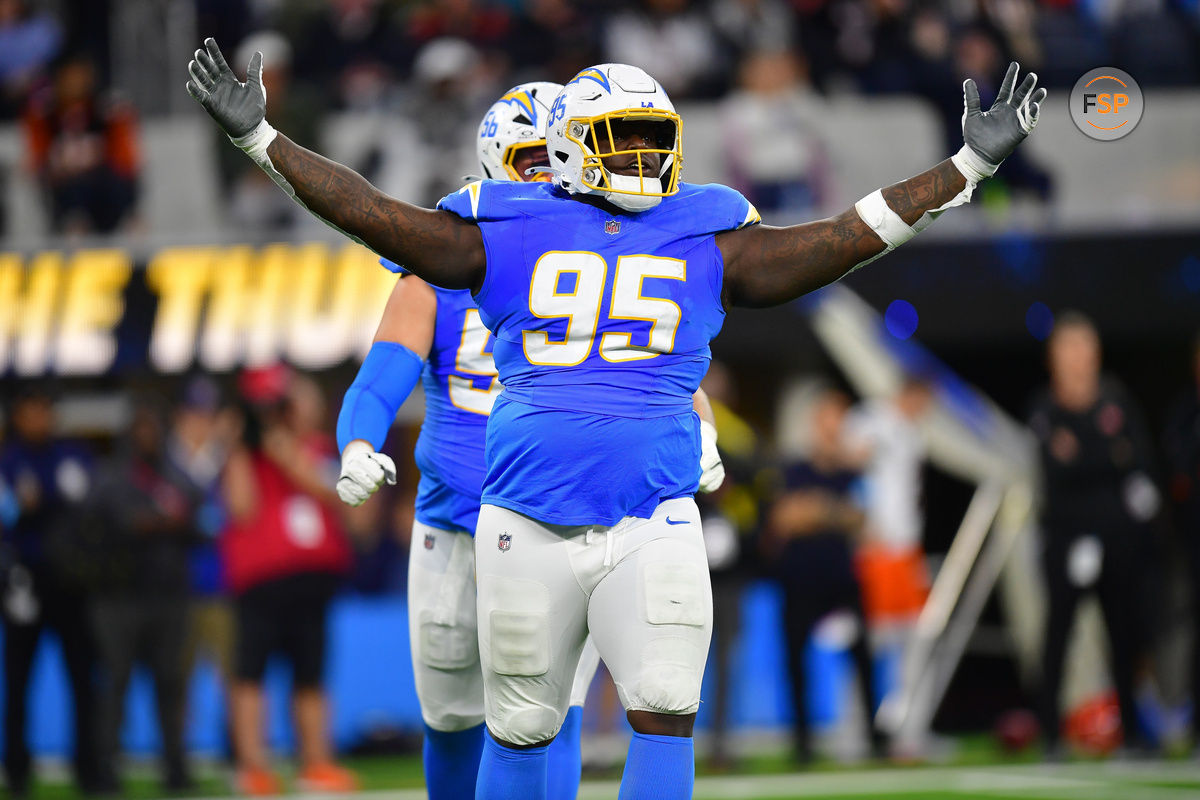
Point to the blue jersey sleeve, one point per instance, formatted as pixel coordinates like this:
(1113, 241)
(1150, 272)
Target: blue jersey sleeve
(717, 208)
(477, 201)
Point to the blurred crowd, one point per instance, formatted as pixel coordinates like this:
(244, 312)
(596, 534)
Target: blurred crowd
(770, 64)
(210, 530)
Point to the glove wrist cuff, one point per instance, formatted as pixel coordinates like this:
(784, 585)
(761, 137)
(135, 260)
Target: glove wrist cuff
(256, 142)
(356, 448)
(708, 431)
(973, 166)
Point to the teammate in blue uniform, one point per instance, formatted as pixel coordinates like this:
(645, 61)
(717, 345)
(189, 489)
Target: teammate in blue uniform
(436, 335)
(603, 289)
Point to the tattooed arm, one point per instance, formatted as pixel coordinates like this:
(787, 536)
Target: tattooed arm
(437, 246)
(765, 266)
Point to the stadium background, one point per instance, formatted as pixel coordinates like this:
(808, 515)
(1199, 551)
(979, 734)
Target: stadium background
(865, 93)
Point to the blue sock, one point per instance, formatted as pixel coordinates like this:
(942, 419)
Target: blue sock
(562, 772)
(659, 767)
(451, 762)
(509, 774)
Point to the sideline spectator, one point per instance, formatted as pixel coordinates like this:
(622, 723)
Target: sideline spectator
(674, 41)
(1097, 498)
(145, 508)
(285, 555)
(28, 43)
(776, 156)
(350, 53)
(729, 517)
(811, 529)
(451, 86)
(201, 436)
(84, 150)
(1182, 447)
(47, 478)
(485, 25)
(750, 26)
(552, 41)
(885, 436)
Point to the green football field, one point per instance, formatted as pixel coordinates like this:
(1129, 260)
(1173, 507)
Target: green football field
(399, 778)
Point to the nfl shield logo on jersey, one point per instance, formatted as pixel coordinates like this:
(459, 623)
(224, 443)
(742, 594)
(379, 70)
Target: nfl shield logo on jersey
(429, 541)
(505, 542)
(612, 226)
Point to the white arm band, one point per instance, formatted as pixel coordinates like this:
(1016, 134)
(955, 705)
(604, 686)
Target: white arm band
(886, 223)
(878, 215)
(893, 230)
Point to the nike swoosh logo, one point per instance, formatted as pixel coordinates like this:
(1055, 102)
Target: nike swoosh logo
(678, 521)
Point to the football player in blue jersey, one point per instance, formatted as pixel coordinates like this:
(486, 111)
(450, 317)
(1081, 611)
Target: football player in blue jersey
(435, 335)
(603, 290)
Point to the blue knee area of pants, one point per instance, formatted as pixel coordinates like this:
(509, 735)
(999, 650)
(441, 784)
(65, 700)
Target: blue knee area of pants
(509, 774)
(452, 762)
(562, 771)
(659, 767)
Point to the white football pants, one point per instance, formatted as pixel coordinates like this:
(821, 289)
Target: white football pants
(442, 631)
(640, 588)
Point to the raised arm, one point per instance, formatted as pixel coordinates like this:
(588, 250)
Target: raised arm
(435, 245)
(766, 266)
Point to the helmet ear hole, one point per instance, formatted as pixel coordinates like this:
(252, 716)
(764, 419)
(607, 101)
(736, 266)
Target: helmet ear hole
(561, 156)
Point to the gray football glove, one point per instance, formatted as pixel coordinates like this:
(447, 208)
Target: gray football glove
(237, 107)
(993, 134)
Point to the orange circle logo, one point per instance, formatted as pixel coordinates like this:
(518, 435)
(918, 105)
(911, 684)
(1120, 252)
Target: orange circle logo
(1106, 104)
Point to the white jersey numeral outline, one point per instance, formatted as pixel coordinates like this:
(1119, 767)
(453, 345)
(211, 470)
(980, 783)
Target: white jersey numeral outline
(580, 306)
(473, 358)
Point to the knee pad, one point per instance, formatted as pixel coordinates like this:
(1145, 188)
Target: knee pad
(669, 678)
(451, 718)
(527, 725)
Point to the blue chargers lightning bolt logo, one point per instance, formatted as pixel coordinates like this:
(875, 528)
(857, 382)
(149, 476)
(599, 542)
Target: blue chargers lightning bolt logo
(592, 74)
(523, 101)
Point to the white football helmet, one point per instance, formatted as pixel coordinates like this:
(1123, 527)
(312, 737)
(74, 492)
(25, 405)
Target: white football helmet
(581, 119)
(515, 122)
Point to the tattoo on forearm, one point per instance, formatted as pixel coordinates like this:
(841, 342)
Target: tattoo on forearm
(781, 264)
(430, 243)
(913, 197)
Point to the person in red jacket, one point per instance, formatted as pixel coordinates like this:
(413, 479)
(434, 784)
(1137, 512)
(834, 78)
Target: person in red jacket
(285, 554)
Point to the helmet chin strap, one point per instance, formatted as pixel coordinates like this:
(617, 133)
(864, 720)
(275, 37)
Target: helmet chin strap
(630, 202)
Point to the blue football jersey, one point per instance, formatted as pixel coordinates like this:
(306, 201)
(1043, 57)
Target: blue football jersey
(602, 324)
(460, 386)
